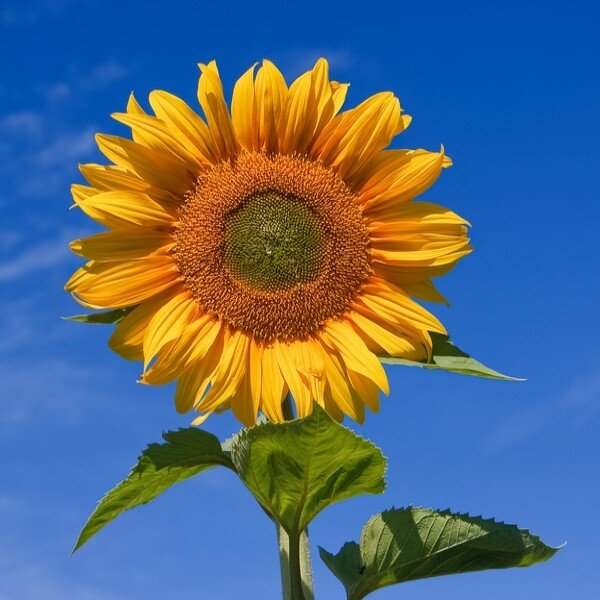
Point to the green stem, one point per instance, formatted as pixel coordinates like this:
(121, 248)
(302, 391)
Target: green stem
(294, 551)
(295, 565)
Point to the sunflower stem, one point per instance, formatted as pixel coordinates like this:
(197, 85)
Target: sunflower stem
(295, 565)
(294, 550)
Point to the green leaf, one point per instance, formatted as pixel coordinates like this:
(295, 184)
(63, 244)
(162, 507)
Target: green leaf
(413, 543)
(448, 357)
(104, 318)
(184, 454)
(297, 468)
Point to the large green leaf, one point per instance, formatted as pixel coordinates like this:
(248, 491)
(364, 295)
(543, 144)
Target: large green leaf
(448, 357)
(297, 468)
(184, 454)
(108, 317)
(413, 543)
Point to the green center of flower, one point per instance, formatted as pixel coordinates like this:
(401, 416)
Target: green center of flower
(274, 241)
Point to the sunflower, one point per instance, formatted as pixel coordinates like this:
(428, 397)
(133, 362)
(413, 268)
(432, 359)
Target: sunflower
(269, 250)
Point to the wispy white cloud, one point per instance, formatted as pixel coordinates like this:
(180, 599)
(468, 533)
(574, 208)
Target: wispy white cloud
(39, 256)
(56, 92)
(26, 122)
(15, 13)
(66, 148)
(37, 157)
(102, 76)
(29, 581)
(33, 572)
(9, 238)
(575, 406)
(79, 86)
(51, 386)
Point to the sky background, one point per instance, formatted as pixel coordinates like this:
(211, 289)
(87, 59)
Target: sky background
(511, 89)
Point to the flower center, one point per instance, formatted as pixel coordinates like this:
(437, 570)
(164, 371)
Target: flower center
(274, 242)
(274, 245)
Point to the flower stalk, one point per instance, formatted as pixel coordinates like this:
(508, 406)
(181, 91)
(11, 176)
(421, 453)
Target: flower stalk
(295, 565)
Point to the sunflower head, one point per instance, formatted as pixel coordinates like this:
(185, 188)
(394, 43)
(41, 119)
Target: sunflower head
(271, 249)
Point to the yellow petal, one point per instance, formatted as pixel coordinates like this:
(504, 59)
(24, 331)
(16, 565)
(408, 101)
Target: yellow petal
(338, 391)
(312, 367)
(355, 354)
(396, 307)
(123, 245)
(228, 378)
(123, 209)
(287, 356)
(254, 375)
(392, 343)
(168, 324)
(154, 134)
(273, 388)
(417, 217)
(82, 192)
(354, 136)
(338, 95)
(210, 96)
(308, 108)
(401, 180)
(424, 290)
(191, 131)
(243, 111)
(194, 343)
(435, 256)
(195, 379)
(158, 168)
(366, 390)
(113, 178)
(270, 92)
(114, 285)
(128, 337)
(133, 106)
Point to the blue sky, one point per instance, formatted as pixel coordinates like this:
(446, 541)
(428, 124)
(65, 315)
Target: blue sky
(511, 90)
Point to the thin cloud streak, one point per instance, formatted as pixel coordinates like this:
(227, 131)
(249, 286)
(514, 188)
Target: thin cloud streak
(576, 406)
(41, 256)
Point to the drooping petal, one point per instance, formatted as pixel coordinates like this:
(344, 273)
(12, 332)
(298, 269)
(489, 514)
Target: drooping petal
(128, 337)
(227, 379)
(388, 302)
(194, 343)
(389, 341)
(289, 363)
(355, 354)
(168, 323)
(338, 391)
(273, 387)
(195, 379)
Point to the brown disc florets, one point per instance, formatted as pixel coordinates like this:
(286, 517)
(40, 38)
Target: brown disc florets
(274, 245)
